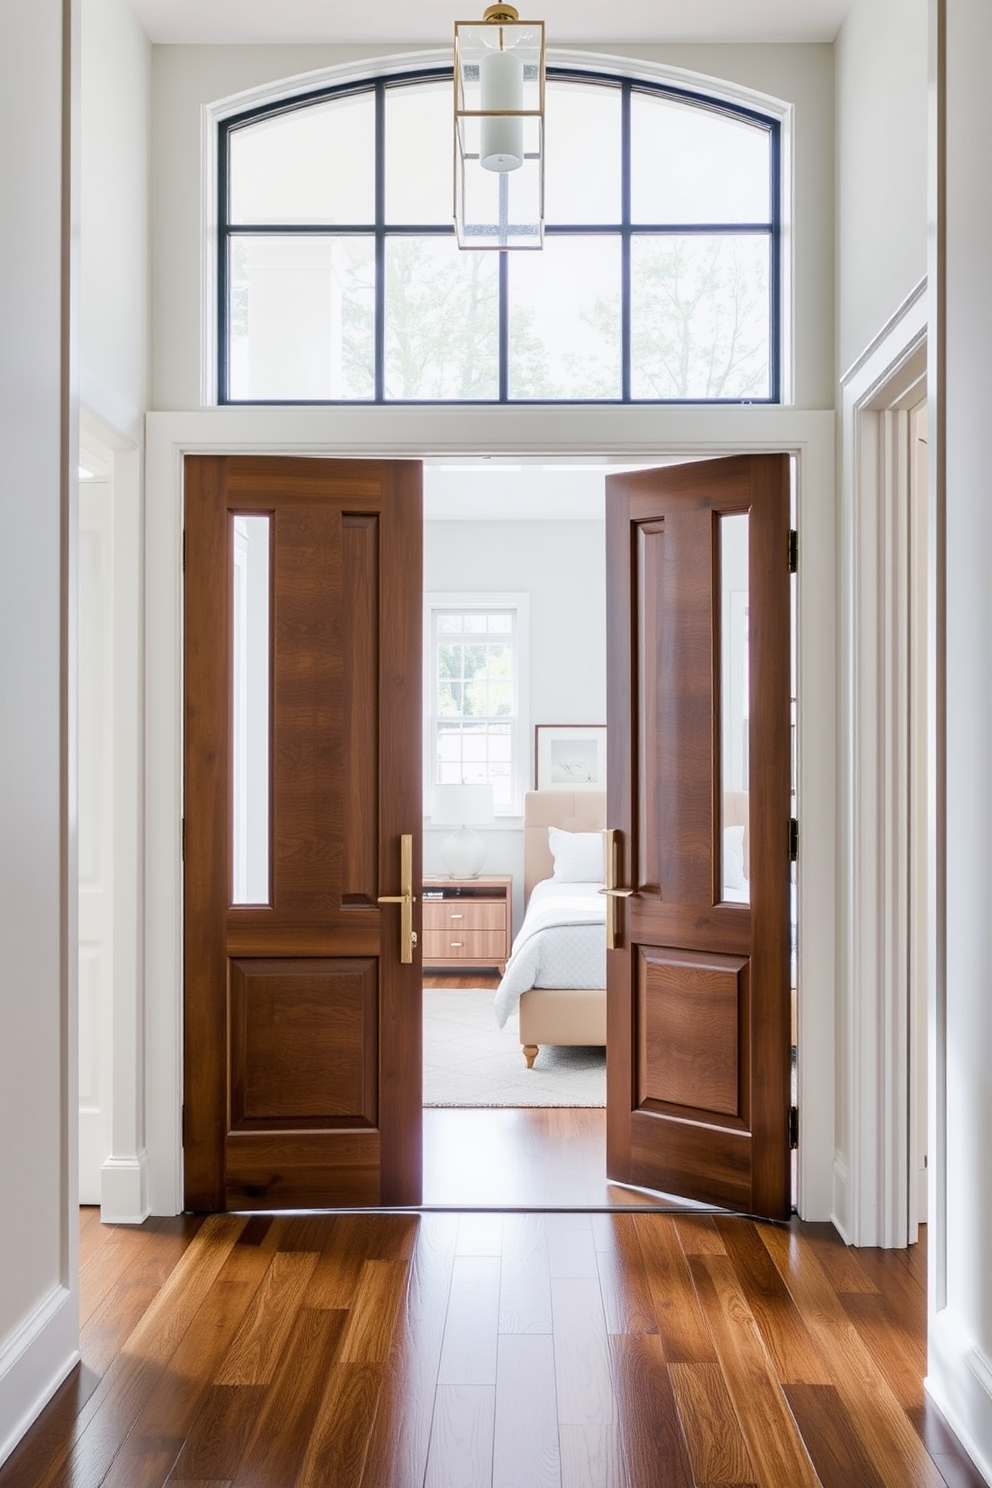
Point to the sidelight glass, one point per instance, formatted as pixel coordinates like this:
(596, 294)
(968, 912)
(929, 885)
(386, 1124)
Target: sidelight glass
(251, 712)
(734, 709)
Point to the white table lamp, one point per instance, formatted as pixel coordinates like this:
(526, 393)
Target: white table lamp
(465, 807)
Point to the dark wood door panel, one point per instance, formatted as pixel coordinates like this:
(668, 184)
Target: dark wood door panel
(698, 995)
(302, 1082)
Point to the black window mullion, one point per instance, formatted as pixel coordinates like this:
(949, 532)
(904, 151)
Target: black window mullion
(775, 348)
(625, 321)
(504, 329)
(379, 381)
(223, 270)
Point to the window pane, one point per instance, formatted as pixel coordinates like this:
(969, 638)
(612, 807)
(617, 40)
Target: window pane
(699, 317)
(313, 164)
(250, 712)
(301, 313)
(582, 153)
(690, 164)
(441, 320)
(564, 309)
(419, 145)
(734, 706)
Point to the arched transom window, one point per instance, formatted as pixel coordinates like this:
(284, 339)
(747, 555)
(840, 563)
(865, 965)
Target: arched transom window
(340, 279)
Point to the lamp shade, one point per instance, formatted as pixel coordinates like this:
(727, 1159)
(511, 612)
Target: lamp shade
(462, 806)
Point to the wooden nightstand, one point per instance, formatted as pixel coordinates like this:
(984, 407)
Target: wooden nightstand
(467, 921)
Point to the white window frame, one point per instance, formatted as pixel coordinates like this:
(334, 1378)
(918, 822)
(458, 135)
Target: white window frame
(519, 602)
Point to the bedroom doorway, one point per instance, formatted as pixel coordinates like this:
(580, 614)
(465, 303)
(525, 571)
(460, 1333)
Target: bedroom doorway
(485, 1147)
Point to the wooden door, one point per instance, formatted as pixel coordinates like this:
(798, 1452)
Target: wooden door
(302, 1023)
(698, 1074)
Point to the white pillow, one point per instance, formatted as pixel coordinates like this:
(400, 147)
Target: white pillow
(733, 857)
(578, 856)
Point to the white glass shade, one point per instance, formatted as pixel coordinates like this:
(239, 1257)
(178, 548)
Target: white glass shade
(499, 134)
(462, 805)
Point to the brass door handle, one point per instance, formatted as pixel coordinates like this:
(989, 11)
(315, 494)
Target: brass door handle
(405, 899)
(612, 892)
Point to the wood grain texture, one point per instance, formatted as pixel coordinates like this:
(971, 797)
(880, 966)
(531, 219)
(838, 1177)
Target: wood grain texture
(720, 1352)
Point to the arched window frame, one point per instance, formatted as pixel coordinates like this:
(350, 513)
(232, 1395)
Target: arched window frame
(719, 95)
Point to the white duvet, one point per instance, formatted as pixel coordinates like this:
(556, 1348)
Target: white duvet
(561, 943)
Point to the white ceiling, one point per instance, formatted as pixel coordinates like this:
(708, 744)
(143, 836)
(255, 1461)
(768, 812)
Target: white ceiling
(430, 22)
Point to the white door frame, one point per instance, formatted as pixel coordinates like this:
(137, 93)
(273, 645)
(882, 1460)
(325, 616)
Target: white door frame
(124, 1172)
(872, 1187)
(601, 435)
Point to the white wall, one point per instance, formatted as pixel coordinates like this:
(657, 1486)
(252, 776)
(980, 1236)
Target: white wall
(881, 62)
(38, 1286)
(960, 1331)
(185, 79)
(115, 101)
(561, 565)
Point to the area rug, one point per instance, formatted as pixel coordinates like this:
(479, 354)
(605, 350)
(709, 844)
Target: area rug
(469, 1061)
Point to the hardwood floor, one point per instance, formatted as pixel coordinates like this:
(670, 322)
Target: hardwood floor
(505, 1350)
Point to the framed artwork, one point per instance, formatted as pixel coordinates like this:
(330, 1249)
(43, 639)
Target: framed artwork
(570, 756)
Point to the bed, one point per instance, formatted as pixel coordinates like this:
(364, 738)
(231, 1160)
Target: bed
(558, 1014)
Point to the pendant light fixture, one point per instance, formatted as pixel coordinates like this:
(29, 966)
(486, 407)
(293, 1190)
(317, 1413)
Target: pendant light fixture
(499, 131)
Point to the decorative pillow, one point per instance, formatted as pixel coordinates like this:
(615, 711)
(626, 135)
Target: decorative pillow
(733, 857)
(578, 856)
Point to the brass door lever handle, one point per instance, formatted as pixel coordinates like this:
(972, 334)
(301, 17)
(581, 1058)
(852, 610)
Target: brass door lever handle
(612, 892)
(406, 900)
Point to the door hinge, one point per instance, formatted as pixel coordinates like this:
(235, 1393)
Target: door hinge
(793, 839)
(182, 835)
(182, 1125)
(793, 550)
(184, 550)
(793, 1128)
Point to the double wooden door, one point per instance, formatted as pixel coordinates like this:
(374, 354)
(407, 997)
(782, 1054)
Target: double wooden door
(303, 991)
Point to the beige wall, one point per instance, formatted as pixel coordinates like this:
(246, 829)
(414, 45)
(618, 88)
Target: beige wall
(185, 79)
(881, 61)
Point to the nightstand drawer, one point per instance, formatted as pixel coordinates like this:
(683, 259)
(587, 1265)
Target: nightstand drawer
(461, 914)
(464, 945)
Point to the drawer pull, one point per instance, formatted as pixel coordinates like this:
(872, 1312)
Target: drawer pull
(457, 916)
(456, 945)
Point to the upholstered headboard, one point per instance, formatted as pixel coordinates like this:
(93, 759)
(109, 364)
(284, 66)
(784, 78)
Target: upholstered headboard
(573, 811)
(735, 814)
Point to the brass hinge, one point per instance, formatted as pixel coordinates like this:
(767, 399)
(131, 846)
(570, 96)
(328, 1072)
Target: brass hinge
(182, 830)
(793, 550)
(184, 550)
(793, 1128)
(793, 839)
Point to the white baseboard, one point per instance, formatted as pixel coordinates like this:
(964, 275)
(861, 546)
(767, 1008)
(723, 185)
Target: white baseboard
(33, 1363)
(960, 1384)
(124, 1190)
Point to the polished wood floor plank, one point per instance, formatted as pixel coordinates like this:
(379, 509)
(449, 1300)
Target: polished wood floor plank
(368, 1335)
(276, 1439)
(349, 1240)
(525, 1275)
(782, 1329)
(468, 1354)
(831, 1437)
(684, 1334)
(461, 1450)
(571, 1249)
(626, 1294)
(592, 1457)
(888, 1437)
(698, 1234)
(900, 1357)
(339, 1440)
(400, 1438)
(717, 1450)
(654, 1445)
(583, 1377)
(216, 1442)
(525, 1442)
(251, 1358)
(774, 1444)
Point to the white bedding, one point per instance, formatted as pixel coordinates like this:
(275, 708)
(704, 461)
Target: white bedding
(561, 943)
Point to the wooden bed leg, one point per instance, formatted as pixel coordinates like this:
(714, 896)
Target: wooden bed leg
(530, 1054)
